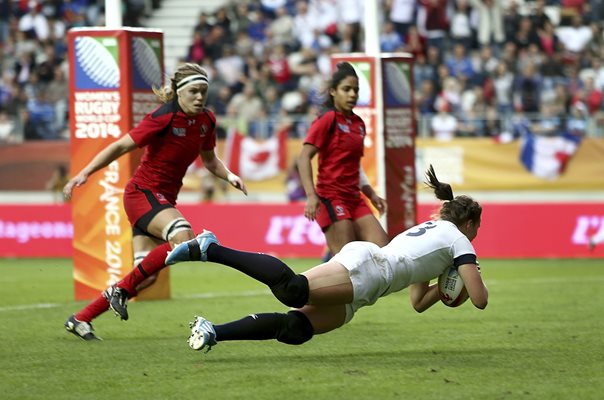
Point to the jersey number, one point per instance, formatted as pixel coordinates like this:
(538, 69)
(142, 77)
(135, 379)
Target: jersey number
(422, 229)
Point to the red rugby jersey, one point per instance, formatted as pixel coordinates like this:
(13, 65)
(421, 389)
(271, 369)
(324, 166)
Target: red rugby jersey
(172, 140)
(340, 144)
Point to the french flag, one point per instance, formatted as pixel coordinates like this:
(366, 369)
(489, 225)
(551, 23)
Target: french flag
(546, 156)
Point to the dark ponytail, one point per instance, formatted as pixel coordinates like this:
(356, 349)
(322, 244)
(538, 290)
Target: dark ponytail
(458, 209)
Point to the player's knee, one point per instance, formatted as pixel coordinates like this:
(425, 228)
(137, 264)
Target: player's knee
(292, 290)
(295, 329)
(176, 229)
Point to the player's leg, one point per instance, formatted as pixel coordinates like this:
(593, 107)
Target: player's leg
(366, 226)
(335, 219)
(294, 327)
(142, 245)
(369, 229)
(330, 289)
(339, 234)
(170, 225)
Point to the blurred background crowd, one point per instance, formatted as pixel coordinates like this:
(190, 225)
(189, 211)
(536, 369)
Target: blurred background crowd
(480, 65)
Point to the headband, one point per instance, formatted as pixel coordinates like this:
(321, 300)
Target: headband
(191, 80)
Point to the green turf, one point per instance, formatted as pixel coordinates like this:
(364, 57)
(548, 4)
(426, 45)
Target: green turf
(539, 338)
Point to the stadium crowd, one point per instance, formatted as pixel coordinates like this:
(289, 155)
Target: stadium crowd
(479, 64)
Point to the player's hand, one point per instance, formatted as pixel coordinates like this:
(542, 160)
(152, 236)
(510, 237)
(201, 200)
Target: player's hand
(312, 207)
(236, 182)
(380, 204)
(74, 182)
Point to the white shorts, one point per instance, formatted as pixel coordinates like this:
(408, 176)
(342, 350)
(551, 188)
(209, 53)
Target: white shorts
(369, 274)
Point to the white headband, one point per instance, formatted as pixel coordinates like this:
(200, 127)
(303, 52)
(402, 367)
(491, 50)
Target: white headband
(191, 80)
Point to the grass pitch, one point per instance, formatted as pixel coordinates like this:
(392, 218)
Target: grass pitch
(539, 338)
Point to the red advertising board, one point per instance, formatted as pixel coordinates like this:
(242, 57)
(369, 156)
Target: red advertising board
(509, 230)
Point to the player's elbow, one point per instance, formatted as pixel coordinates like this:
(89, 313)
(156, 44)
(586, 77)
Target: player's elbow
(482, 304)
(481, 300)
(419, 306)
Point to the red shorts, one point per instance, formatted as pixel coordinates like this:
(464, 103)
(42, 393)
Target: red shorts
(333, 209)
(141, 205)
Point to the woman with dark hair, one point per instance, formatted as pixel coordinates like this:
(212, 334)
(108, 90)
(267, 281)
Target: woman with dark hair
(337, 136)
(173, 136)
(327, 296)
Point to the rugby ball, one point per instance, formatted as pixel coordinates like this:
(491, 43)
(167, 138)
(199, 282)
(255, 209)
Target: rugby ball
(451, 288)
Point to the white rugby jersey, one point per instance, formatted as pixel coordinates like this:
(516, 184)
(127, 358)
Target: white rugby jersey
(424, 252)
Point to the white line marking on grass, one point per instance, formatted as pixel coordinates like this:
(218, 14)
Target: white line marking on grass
(211, 295)
(29, 307)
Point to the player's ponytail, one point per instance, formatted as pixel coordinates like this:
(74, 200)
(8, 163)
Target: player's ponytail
(442, 190)
(458, 209)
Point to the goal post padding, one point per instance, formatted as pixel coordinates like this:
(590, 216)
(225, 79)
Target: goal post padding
(111, 72)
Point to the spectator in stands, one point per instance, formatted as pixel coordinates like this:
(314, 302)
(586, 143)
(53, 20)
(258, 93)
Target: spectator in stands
(526, 34)
(426, 97)
(281, 29)
(245, 106)
(230, 67)
(433, 22)
(34, 24)
(350, 19)
(203, 27)
(527, 90)
(337, 136)
(415, 44)
(58, 95)
(443, 124)
(41, 118)
(577, 121)
(589, 95)
(460, 64)
(402, 13)
(503, 84)
(461, 29)
(196, 51)
(548, 40)
(390, 41)
(575, 38)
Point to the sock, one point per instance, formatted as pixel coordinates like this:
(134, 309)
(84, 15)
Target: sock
(152, 263)
(252, 327)
(262, 267)
(93, 310)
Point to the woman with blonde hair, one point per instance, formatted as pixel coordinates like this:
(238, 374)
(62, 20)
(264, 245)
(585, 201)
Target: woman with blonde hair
(172, 136)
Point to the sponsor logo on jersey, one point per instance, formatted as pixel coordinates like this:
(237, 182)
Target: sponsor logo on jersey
(339, 211)
(190, 122)
(160, 197)
(203, 129)
(181, 132)
(344, 128)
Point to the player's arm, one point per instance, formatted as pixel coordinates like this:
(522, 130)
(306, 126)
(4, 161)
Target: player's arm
(105, 157)
(306, 177)
(217, 167)
(423, 295)
(378, 202)
(470, 275)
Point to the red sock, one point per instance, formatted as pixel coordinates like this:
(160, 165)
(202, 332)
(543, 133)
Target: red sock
(93, 310)
(155, 261)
